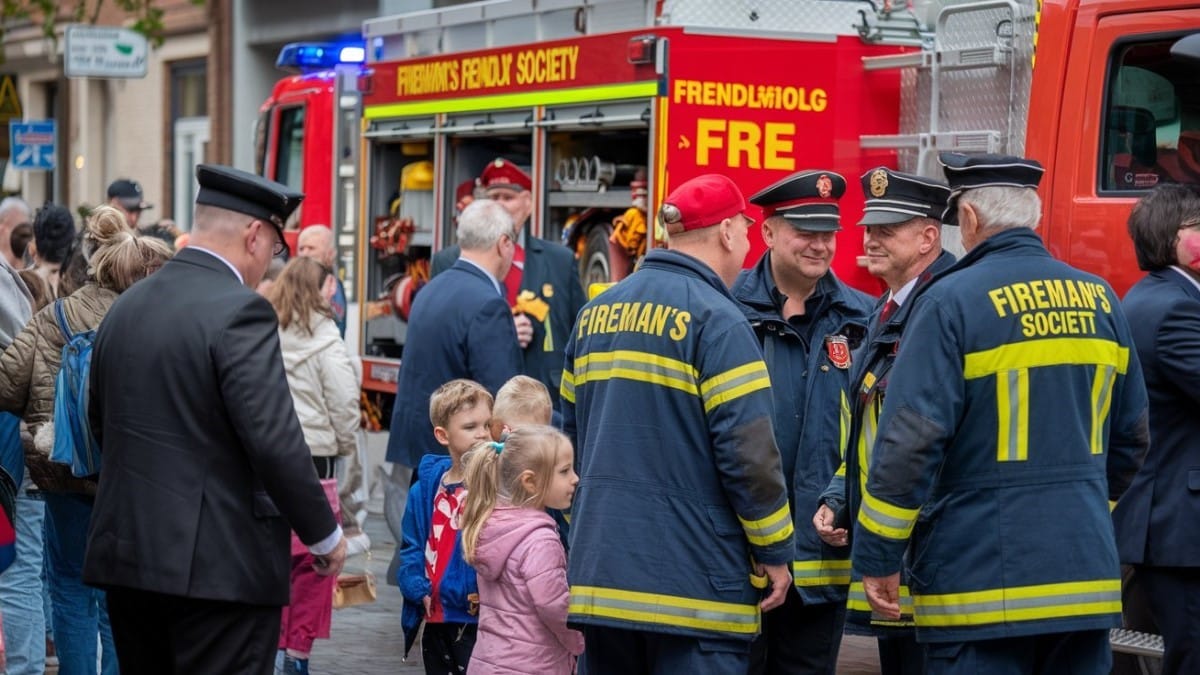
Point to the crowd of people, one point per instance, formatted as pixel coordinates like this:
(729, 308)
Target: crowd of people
(717, 465)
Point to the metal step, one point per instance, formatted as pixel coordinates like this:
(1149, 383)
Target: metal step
(1133, 642)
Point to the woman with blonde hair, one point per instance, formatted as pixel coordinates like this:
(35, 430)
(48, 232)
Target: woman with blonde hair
(325, 392)
(28, 369)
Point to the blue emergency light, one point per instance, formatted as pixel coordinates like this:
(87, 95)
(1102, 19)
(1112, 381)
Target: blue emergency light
(308, 56)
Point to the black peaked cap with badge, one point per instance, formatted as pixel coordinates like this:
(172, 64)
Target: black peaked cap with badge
(236, 190)
(806, 199)
(967, 172)
(894, 197)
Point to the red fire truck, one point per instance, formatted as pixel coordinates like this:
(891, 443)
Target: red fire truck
(590, 97)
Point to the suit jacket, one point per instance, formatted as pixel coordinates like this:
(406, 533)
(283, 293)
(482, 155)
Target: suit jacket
(204, 463)
(551, 274)
(459, 326)
(1158, 518)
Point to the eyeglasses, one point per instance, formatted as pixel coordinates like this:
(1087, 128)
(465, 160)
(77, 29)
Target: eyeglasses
(280, 244)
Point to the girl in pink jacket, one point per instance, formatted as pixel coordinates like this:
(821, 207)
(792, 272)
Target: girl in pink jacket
(514, 546)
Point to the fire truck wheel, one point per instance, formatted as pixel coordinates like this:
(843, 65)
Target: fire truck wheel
(594, 265)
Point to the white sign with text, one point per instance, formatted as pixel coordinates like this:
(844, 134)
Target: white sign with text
(105, 51)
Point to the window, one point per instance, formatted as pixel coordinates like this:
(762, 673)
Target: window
(189, 136)
(1152, 117)
(289, 156)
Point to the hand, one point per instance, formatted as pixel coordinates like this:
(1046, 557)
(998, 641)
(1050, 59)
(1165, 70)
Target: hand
(331, 563)
(780, 580)
(823, 522)
(428, 604)
(884, 595)
(524, 330)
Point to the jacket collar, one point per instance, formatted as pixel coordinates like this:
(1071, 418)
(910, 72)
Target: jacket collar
(206, 259)
(1017, 241)
(682, 263)
(755, 289)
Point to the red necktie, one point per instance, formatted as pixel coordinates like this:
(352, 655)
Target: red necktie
(512, 282)
(888, 310)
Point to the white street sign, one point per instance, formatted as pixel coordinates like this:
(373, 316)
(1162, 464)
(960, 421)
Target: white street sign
(105, 51)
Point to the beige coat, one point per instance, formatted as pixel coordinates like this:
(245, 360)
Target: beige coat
(324, 386)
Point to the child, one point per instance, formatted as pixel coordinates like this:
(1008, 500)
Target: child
(520, 402)
(513, 545)
(438, 586)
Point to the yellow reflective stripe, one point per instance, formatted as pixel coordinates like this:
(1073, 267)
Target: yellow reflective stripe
(566, 389)
(606, 92)
(856, 599)
(841, 470)
(1012, 415)
(733, 383)
(821, 572)
(774, 528)
(843, 425)
(1024, 603)
(1112, 504)
(637, 366)
(1101, 403)
(664, 610)
(886, 520)
(1048, 352)
(866, 441)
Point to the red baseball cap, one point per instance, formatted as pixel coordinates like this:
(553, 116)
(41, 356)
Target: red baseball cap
(501, 173)
(465, 189)
(701, 202)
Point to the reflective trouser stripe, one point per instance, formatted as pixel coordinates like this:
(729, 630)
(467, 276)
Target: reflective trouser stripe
(1012, 408)
(664, 610)
(1025, 603)
(856, 600)
(1102, 387)
(821, 572)
(766, 531)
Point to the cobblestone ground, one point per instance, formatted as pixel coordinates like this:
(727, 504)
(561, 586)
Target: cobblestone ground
(367, 639)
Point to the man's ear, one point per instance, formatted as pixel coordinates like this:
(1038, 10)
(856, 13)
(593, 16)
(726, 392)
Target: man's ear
(442, 436)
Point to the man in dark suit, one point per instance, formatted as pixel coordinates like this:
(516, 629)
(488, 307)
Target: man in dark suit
(1158, 518)
(460, 327)
(542, 286)
(205, 466)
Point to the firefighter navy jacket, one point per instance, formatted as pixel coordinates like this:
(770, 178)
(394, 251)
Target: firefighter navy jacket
(667, 397)
(809, 367)
(872, 366)
(1014, 393)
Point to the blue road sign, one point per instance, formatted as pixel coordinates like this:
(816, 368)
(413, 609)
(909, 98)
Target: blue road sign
(32, 145)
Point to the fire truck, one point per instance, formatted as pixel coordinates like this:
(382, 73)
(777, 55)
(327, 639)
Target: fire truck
(601, 100)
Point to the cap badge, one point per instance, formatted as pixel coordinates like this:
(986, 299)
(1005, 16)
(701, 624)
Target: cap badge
(824, 186)
(498, 163)
(879, 183)
(838, 347)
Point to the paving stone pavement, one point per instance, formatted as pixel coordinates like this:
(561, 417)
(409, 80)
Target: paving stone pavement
(367, 638)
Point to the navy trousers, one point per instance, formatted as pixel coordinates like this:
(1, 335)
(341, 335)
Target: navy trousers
(629, 652)
(1078, 653)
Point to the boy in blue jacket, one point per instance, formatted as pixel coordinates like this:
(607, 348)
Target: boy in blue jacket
(438, 585)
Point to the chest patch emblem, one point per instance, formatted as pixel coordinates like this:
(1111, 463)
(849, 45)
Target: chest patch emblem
(838, 348)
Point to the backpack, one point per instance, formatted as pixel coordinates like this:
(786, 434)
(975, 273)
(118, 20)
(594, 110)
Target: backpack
(74, 443)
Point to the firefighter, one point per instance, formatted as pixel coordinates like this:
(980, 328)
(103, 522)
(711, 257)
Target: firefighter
(902, 238)
(681, 507)
(807, 322)
(543, 285)
(1014, 395)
